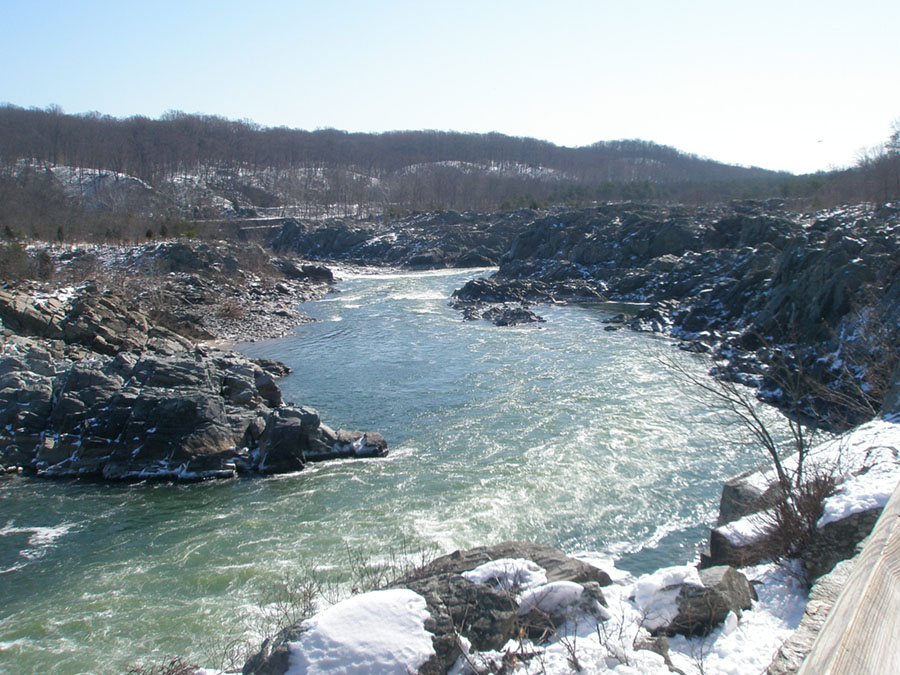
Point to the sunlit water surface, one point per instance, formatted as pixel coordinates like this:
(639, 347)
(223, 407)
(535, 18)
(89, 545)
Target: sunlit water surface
(565, 434)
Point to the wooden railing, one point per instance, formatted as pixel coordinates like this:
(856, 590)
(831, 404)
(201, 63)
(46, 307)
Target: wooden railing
(861, 635)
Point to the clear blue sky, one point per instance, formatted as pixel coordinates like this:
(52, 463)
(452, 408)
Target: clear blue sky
(788, 85)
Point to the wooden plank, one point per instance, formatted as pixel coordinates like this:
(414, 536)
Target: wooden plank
(862, 633)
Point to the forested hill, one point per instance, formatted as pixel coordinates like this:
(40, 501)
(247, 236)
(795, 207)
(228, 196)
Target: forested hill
(331, 172)
(89, 174)
(178, 143)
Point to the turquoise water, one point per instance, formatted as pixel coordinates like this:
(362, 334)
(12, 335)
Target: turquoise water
(565, 434)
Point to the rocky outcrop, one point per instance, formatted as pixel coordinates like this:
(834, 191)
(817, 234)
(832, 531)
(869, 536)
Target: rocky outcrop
(193, 415)
(92, 385)
(421, 241)
(104, 322)
(487, 612)
(750, 283)
(491, 612)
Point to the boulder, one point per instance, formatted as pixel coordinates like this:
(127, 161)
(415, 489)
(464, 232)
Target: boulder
(281, 446)
(726, 548)
(488, 615)
(510, 316)
(741, 497)
(557, 565)
(546, 608)
(700, 608)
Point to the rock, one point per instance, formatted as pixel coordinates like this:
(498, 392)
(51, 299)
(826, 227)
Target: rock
(264, 383)
(189, 416)
(281, 446)
(741, 497)
(485, 616)
(702, 608)
(544, 609)
(558, 566)
(292, 270)
(345, 444)
(25, 397)
(724, 550)
(273, 658)
(837, 541)
(20, 313)
(511, 316)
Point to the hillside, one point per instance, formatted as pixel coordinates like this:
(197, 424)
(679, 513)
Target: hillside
(72, 168)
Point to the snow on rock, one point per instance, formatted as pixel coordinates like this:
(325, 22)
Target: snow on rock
(551, 598)
(655, 593)
(377, 632)
(619, 643)
(865, 462)
(747, 530)
(870, 490)
(868, 460)
(506, 574)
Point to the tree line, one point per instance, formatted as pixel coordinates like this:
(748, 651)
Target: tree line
(154, 149)
(200, 166)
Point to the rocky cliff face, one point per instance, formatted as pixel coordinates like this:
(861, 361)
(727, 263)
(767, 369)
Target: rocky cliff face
(766, 291)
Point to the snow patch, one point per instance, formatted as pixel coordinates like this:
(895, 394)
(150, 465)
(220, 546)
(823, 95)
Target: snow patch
(654, 594)
(377, 632)
(508, 574)
(551, 598)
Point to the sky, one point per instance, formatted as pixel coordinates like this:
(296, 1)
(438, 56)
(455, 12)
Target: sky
(798, 85)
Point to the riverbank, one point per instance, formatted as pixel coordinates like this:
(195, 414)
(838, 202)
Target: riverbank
(107, 377)
(526, 608)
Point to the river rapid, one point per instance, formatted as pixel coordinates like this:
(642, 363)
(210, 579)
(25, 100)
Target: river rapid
(562, 433)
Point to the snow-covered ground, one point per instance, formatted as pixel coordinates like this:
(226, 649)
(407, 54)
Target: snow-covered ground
(384, 631)
(866, 463)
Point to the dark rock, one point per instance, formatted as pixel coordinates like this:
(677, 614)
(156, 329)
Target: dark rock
(25, 397)
(281, 447)
(188, 416)
(487, 617)
(275, 368)
(558, 565)
(722, 551)
(264, 383)
(702, 608)
(511, 316)
(837, 541)
(741, 498)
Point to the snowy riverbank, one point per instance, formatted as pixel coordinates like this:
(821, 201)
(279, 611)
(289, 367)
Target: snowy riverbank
(371, 633)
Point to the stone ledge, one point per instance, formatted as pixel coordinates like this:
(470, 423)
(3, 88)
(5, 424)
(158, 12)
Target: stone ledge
(860, 633)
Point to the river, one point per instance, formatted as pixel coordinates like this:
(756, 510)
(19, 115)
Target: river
(562, 433)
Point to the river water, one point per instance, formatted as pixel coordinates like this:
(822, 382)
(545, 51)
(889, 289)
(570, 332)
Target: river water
(565, 434)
